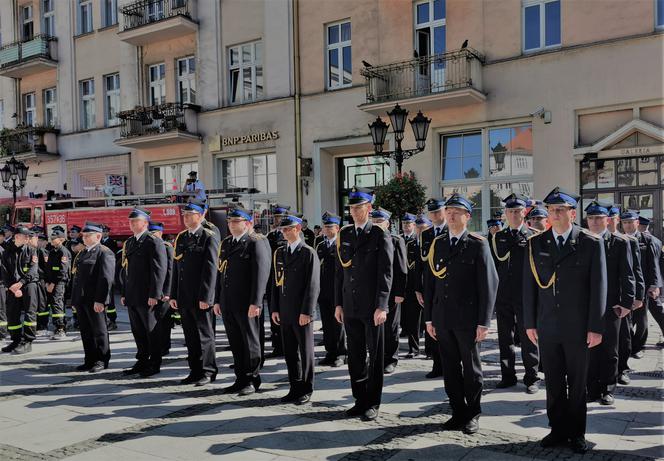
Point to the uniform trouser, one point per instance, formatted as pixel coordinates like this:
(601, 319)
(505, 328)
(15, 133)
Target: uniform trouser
(431, 349)
(624, 343)
(94, 334)
(276, 334)
(298, 345)
(656, 309)
(111, 310)
(3, 309)
(334, 335)
(392, 335)
(199, 331)
(565, 373)
(55, 301)
(261, 331)
(366, 377)
(165, 325)
(603, 360)
(243, 337)
(146, 330)
(43, 310)
(26, 305)
(411, 317)
(462, 367)
(510, 320)
(640, 325)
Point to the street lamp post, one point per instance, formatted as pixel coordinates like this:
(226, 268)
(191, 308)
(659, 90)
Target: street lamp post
(12, 171)
(419, 124)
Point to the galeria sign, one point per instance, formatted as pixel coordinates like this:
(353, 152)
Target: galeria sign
(249, 138)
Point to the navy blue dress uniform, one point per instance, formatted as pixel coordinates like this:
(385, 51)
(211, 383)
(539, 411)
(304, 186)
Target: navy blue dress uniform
(22, 265)
(145, 266)
(57, 272)
(334, 334)
(43, 312)
(363, 280)
(650, 249)
(564, 299)
(294, 293)
(244, 266)
(93, 270)
(194, 281)
(654, 305)
(3, 295)
(166, 321)
(460, 298)
(411, 310)
(426, 239)
(275, 239)
(508, 247)
(111, 309)
(621, 290)
(399, 281)
(73, 240)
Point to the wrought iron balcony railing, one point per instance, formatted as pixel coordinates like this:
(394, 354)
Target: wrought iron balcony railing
(144, 121)
(25, 139)
(145, 12)
(423, 76)
(41, 46)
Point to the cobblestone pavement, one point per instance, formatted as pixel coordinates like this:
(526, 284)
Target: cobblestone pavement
(49, 411)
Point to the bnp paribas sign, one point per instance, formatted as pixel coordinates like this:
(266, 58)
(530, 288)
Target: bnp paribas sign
(219, 142)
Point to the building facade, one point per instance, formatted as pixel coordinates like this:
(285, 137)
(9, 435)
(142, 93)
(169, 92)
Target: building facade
(269, 100)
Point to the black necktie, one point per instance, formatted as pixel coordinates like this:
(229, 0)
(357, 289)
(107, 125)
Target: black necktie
(514, 232)
(358, 231)
(561, 242)
(437, 231)
(454, 242)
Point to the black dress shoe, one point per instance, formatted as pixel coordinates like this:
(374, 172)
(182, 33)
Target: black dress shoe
(505, 383)
(370, 414)
(137, 368)
(356, 410)
(235, 388)
(453, 424)
(247, 390)
(289, 398)
(578, 445)
(607, 399)
(23, 348)
(84, 367)
(433, 374)
(624, 379)
(191, 379)
(301, 400)
(205, 380)
(96, 367)
(552, 439)
(389, 369)
(532, 388)
(150, 371)
(10, 347)
(592, 397)
(472, 426)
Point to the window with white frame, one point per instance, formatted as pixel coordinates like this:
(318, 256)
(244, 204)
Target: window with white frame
(430, 40)
(157, 84)
(88, 116)
(659, 14)
(486, 166)
(48, 18)
(167, 178)
(250, 172)
(245, 65)
(29, 109)
(84, 16)
(109, 12)
(27, 30)
(155, 10)
(112, 99)
(50, 107)
(339, 56)
(541, 24)
(186, 69)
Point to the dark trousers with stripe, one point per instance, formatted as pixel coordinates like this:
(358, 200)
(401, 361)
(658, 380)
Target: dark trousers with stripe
(3, 309)
(366, 376)
(26, 306)
(55, 301)
(43, 311)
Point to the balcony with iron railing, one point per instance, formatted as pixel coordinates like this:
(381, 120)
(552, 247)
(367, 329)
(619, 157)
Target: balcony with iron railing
(28, 57)
(427, 82)
(148, 21)
(27, 142)
(155, 126)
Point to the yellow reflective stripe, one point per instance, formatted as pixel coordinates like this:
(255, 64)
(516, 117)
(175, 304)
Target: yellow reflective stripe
(30, 324)
(41, 314)
(73, 309)
(110, 311)
(14, 327)
(175, 316)
(55, 268)
(58, 316)
(3, 324)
